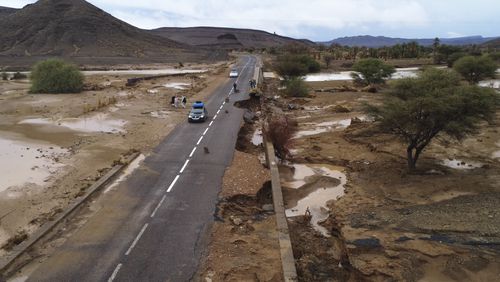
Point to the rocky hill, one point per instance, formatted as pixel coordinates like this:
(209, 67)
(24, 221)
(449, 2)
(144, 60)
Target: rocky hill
(7, 11)
(75, 28)
(495, 43)
(226, 38)
(380, 41)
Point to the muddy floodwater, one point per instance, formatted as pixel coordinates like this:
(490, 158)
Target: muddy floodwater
(346, 75)
(25, 162)
(100, 122)
(257, 137)
(178, 85)
(136, 72)
(461, 164)
(399, 74)
(322, 127)
(314, 185)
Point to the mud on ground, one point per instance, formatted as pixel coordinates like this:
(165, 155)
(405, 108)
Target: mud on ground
(80, 136)
(440, 224)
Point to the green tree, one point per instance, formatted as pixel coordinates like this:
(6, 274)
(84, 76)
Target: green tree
(56, 76)
(454, 57)
(292, 65)
(418, 109)
(5, 76)
(495, 56)
(371, 71)
(475, 69)
(435, 47)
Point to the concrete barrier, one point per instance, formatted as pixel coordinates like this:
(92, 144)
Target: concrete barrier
(287, 259)
(20, 249)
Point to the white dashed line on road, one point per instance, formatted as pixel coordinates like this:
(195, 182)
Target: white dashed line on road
(215, 117)
(172, 184)
(137, 239)
(115, 272)
(199, 141)
(158, 206)
(192, 152)
(211, 123)
(206, 130)
(184, 166)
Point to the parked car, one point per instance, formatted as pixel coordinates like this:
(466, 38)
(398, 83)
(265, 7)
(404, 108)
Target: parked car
(198, 112)
(233, 73)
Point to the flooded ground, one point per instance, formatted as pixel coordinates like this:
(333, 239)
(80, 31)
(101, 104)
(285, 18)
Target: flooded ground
(346, 75)
(137, 72)
(54, 146)
(492, 83)
(98, 122)
(312, 191)
(322, 127)
(178, 85)
(26, 163)
(439, 216)
(399, 74)
(257, 137)
(460, 164)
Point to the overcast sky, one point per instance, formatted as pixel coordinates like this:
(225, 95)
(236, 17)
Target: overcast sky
(318, 20)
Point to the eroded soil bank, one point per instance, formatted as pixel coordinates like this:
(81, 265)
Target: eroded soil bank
(243, 241)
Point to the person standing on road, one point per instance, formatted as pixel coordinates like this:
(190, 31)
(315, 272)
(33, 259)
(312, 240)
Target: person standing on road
(235, 87)
(173, 101)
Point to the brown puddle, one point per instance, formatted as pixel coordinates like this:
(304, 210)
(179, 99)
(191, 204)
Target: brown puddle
(308, 188)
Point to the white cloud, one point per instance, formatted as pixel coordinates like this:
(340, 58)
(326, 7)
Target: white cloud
(311, 18)
(283, 17)
(15, 3)
(452, 34)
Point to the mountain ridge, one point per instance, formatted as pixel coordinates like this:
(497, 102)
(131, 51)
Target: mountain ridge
(381, 41)
(226, 37)
(75, 28)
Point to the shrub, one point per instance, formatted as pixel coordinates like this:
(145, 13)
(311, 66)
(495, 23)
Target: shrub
(371, 71)
(5, 76)
(295, 87)
(475, 69)
(455, 57)
(19, 75)
(56, 76)
(292, 65)
(280, 131)
(494, 56)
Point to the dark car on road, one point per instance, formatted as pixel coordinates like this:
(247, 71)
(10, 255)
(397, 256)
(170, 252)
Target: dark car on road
(198, 112)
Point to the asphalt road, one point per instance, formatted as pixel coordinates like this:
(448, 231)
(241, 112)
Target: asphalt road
(154, 226)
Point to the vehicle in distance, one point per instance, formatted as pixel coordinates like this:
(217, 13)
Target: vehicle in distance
(198, 112)
(233, 73)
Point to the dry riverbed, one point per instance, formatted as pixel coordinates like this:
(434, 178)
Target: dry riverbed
(53, 147)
